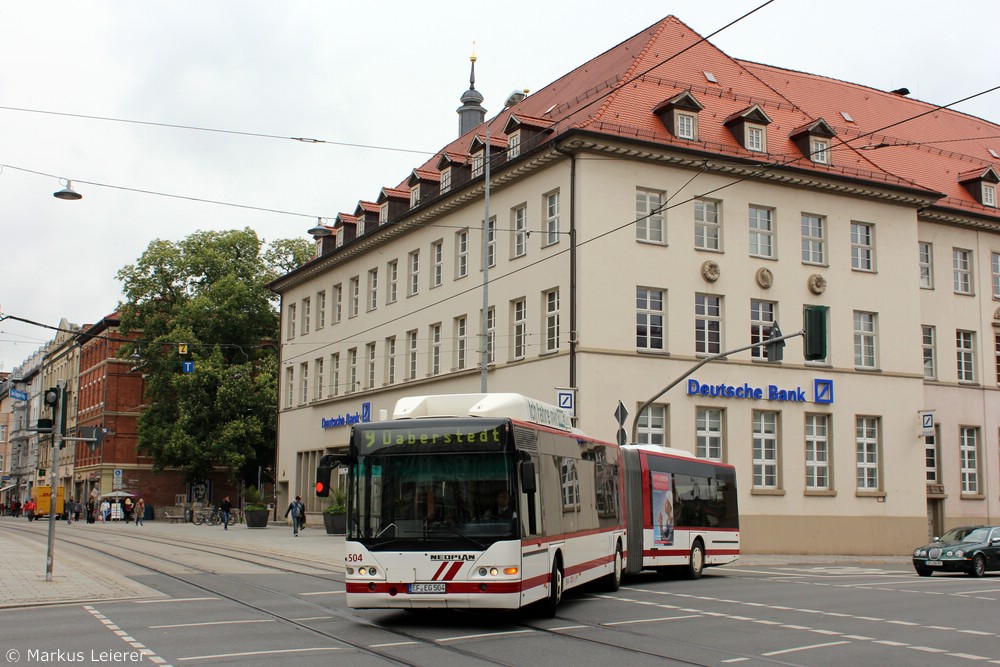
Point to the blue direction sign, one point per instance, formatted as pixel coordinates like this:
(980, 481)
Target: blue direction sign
(187, 367)
(18, 395)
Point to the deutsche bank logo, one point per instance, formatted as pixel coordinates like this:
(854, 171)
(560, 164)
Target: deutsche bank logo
(366, 411)
(822, 391)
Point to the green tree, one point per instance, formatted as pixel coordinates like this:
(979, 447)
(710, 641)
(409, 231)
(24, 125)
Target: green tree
(208, 292)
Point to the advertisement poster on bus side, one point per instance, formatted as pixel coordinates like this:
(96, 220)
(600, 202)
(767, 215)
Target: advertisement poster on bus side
(662, 484)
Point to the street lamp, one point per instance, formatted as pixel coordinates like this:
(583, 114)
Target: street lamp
(68, 193)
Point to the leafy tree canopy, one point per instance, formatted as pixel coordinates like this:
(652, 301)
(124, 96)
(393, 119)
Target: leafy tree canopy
(209, 292)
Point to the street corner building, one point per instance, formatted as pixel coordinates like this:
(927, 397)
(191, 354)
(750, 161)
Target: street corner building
(660, 204)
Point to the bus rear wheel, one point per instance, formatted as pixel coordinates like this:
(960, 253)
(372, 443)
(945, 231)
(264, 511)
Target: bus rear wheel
(613, 581)
(696, 562)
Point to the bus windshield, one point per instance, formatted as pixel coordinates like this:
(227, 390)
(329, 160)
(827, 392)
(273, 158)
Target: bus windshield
(441, 500)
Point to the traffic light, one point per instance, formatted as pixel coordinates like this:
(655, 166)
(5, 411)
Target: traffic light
(775, 349)
(51, 397)
(323, 472)
(814, 333)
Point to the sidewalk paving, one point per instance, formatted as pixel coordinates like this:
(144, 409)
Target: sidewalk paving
(78, 577)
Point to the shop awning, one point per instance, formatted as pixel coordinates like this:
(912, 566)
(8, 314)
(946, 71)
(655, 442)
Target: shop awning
(8, 487)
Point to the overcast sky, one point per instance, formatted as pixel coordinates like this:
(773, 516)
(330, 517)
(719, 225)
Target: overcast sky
(386, 73)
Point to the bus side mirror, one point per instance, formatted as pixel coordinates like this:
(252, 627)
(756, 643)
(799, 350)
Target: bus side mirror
(527, 469)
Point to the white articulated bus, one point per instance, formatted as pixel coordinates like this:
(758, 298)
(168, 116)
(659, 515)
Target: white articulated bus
(682, 511)
(478, 500)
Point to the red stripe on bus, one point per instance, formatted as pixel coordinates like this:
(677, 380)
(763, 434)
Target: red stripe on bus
(659, 553)
(439, 571)
(454, 570)
(540, 541)
(463, 587)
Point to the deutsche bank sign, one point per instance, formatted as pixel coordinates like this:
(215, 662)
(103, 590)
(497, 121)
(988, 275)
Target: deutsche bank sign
(350, 418)
(822, 391)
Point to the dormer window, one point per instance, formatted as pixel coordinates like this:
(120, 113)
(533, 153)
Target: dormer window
(814, 140)
(989, 195)
(340, 240)
(679, 115)
(749, 127)
(477, 165)
(446, 179)
(685, 125)
(361, 225)
(982, 185)
(383, 212)
(414, 195)
(513, 145)
(819, 151)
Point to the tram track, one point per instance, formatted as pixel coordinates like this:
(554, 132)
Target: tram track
(124, 548)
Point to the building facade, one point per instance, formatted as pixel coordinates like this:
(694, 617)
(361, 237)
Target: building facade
(659, 205)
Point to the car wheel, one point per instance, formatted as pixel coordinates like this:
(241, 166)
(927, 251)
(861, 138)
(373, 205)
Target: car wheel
(978, 568)
(696, 563)
(923, 571)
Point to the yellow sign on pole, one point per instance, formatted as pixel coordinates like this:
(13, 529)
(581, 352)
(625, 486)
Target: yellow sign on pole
(182, 348)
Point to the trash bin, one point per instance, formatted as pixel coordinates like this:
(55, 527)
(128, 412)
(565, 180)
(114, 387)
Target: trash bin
(187, 516)
(148, 514)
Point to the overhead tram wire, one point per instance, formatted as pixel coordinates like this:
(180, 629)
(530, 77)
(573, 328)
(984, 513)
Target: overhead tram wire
(765, 168)
(304, 140)
(308, 139)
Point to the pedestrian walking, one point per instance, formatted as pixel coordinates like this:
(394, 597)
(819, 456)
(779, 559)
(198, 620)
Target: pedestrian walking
(226, 508)
(140, 510)
(77, 509)
(105, 511)
(296, 509)
(91, 511)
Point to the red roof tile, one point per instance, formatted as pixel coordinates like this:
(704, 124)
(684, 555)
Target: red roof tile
(894, 140)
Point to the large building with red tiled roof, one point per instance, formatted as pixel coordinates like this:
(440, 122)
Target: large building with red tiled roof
(662, 203)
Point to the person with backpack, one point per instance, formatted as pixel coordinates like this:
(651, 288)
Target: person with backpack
(297, 510)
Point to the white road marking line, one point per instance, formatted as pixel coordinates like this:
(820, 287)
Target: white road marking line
(391, 644)
(322, 593)
(567, 627)
(967, 656)
(173, 600)
(802, 648)
(928, 649)
(274, 652)
(652, 620)
(736, 660)
(195, 625)
(146, 653)
(483, 635)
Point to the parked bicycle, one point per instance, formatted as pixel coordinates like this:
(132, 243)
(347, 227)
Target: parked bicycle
(212, 516)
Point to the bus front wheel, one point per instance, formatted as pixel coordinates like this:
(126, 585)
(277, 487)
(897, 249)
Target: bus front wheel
(555, 592)
(696, 562)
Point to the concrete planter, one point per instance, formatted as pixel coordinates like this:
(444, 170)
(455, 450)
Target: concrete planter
(256, 518)
(336, 524)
